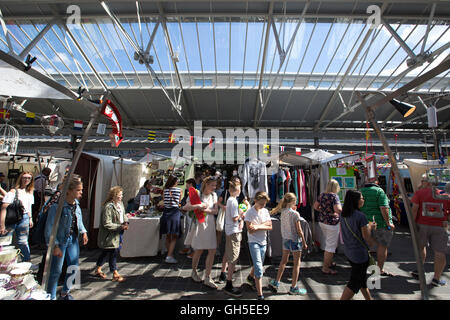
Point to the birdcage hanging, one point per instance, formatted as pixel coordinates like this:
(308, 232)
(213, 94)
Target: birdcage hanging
(9, 139)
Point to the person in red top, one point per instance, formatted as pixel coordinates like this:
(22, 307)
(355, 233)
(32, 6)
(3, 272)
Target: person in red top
(431, 216)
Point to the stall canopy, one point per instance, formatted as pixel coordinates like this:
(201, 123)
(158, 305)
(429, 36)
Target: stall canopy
(417, 167)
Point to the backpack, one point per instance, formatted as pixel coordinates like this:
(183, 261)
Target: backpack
(38, 236)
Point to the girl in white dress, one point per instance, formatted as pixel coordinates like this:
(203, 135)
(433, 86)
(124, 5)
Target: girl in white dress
(204, 234)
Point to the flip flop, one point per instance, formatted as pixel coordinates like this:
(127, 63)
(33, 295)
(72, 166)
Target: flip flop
(332, 272)
(386, 274)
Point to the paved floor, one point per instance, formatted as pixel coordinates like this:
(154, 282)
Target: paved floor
(151, 278)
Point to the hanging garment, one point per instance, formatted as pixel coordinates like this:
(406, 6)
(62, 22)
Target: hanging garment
(288, 181)
(273, 188)
(281, 180)
(294, 180)
(255, 175)
(303, 191)
(308, 236)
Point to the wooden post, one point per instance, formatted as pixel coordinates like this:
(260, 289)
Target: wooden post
(401, 185)
(62, 199)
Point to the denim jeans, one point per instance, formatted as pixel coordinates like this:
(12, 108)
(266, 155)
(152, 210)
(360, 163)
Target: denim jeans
(70, 251)
(22, 230)
(113, 253)
(257, 253)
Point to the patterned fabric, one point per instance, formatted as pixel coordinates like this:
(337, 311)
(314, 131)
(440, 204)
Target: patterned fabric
(326, 213)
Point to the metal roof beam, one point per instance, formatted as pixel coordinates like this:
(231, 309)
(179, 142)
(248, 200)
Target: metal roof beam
(36, 39)
(259, 101)
(399, 39)
(433, 8)
(174, 63)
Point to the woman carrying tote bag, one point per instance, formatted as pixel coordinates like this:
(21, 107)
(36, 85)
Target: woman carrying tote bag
(24, 187)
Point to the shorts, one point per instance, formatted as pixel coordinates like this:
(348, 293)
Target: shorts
(330, 237)
(233, 247)
(358, 276)
(292, 246)
(383, 236)
(436, 236)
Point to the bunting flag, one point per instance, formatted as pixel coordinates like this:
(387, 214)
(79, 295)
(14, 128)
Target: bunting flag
(298, 151)
(191, 141)
(151, 135)
(30, 117)
(211, 141)
(4, 114)
(78, 125)
(266, 149)
(171, 138)
(396, 195)
(282, 148)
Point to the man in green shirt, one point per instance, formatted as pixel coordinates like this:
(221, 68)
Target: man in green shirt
(376, 207)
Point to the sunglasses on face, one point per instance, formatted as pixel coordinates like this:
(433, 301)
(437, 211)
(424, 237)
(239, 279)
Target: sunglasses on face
(27, 178)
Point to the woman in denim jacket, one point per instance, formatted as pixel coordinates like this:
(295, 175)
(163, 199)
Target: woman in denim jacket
(66, 241)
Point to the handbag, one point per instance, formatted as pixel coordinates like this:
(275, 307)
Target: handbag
(372, 261)
(15, 211)
(220, 221)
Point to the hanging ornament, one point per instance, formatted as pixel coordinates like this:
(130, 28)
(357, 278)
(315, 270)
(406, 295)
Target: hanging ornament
(9, 139)
(52, 123)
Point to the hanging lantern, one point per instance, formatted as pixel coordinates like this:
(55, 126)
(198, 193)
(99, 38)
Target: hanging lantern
(52, 123)
(9, 139)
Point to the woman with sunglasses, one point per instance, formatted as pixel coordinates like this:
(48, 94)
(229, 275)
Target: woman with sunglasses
(24, 188)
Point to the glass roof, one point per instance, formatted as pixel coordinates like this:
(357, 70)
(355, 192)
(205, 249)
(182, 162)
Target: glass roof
(228, 52)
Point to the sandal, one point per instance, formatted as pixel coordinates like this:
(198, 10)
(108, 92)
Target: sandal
(386, 274)
(332, 272)
(100, 274)
(118, 278)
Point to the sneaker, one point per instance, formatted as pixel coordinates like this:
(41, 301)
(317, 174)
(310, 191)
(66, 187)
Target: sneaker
(260, 298)
(209, 283)
(190, 255)
(415, 274)
(251, 282)
(170, 260)
(233, 291)
(438, 283)
(273, 285)
(223, 277)
(66, 297)
(297, 291)
(195, 276)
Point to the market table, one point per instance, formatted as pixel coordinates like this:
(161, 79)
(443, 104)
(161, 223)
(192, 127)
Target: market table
(142, 238)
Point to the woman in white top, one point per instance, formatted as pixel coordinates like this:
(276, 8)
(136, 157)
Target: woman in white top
(24, 187)
(204, 234)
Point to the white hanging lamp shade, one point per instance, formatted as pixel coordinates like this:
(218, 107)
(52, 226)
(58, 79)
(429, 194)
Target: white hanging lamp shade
(9, 139)
(52, 123)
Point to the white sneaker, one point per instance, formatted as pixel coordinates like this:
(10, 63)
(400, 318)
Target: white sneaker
(195, 276)
(170, 260)
(208, 282)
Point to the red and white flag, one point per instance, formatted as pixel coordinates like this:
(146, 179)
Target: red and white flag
(298, 151)
(282, 148)
(78, 125)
